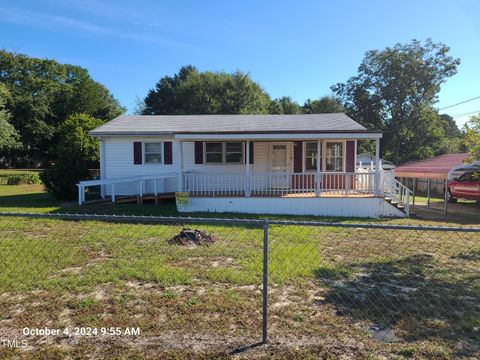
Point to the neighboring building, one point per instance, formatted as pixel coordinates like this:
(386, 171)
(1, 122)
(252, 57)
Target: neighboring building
(365, 161)
(431, 176)
(423, 175)
(265, 164)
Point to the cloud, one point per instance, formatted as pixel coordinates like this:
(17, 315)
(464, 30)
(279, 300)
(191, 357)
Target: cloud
(46, 21)
(106, 10)
(55, 22)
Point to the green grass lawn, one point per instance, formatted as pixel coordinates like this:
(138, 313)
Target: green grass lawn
(33, 198)
(7, 172)
(329, 284)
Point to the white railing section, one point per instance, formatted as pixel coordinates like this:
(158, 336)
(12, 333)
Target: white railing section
(400, 194)
(278, 184)
(138, 185)
(256, 184)
(396, 191)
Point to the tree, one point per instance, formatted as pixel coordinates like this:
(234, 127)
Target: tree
(450, 126)
(284, 105)
(453, 141)
(44, 93)
(394, 91)
(8, 134)
(194, 92)
(324, 105)
(472, 138)
(75, 152)
(74, 143)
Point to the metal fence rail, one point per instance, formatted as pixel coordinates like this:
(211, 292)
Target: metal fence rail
(316, 288)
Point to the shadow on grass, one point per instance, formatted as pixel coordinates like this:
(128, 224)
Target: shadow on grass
(418, 297)
(29, 200)
(459, 213)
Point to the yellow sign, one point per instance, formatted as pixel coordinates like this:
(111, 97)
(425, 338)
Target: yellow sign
(181, 198)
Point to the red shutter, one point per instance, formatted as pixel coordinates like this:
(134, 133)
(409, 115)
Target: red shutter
(137, 153)
(350, 157)
(297, 156)
(198, 152)
(251, 153)
(167, 150)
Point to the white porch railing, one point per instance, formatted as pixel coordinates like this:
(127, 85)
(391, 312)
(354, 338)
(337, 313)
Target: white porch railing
(278, 184)
(395, 190)
(256, 184)
(157, 183)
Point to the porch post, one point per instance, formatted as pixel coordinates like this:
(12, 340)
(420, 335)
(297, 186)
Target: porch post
(317, 189)
(247, 169)
(102, 167)
(113, 192)
(428, 193)
(445, 197)
(180, 171)
(377, 167)
(414, 189)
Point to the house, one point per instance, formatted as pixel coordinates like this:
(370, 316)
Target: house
(365, 160)
(265, 164)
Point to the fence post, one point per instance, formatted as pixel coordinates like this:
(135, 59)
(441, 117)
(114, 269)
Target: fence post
(265, 284)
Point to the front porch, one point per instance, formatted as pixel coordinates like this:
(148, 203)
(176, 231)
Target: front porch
(332, 184)
(311, 174)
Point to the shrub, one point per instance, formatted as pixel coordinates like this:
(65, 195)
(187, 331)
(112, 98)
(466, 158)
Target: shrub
(61, 179)
(19, 179)
(75, 151)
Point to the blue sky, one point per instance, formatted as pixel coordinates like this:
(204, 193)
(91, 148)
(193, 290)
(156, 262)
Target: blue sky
(296, 48)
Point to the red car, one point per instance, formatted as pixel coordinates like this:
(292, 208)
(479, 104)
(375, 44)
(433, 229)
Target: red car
(467, 186)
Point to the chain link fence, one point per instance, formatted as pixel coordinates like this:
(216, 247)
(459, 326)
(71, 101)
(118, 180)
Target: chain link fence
(132, 286)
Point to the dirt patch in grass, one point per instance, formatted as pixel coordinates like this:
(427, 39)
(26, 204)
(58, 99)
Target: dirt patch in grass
(202, 321)
(190, 237)
(333, 292)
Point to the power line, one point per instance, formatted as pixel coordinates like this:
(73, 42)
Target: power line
(465, 114)
(462, 102)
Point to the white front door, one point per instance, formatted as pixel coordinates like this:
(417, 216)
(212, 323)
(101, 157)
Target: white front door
(279, 158)
(279, 163)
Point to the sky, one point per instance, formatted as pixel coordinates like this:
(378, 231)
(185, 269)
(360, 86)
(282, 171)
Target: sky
(291, 48)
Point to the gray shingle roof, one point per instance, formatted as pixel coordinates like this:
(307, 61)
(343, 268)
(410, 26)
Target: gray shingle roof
(197, 124)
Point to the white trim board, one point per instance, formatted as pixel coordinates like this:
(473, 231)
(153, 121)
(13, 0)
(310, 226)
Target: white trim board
(278, 137)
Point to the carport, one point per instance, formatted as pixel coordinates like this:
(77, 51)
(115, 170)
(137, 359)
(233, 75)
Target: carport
(433, 171)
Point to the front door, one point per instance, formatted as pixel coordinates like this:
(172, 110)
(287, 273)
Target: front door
(279, 164)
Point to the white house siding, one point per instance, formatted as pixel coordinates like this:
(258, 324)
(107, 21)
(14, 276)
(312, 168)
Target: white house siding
(118, 163)
(118, 152)
(345, 207)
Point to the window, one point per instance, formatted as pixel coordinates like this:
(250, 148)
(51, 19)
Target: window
(233, 152)
(311, 156)
(214, 152)
(334, 156)
(224, 152)
(470, 176)
(153, 153)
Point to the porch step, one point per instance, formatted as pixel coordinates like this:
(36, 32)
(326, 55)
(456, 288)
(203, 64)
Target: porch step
(395, 203)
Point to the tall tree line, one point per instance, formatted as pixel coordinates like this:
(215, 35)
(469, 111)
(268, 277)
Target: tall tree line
(36, 97)
(394, 91)
(193, 92)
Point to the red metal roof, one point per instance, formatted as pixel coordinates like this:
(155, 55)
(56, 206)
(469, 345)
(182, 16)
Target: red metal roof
(433, 168)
